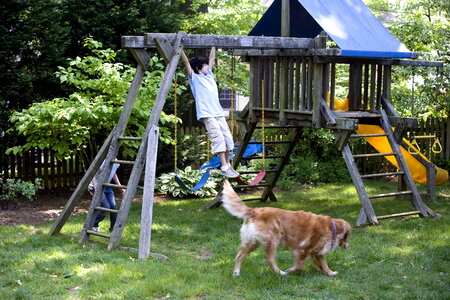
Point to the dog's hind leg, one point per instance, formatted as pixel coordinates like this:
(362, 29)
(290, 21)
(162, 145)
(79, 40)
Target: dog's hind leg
(321, 264)
(299, 258)
(243, 251)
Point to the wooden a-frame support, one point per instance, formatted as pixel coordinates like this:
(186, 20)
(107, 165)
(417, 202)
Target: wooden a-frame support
(146, 156)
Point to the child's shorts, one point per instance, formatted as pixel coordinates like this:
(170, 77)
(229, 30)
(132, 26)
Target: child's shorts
(219, 134)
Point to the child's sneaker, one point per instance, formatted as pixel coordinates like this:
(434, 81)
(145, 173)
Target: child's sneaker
(230, 173)
(236, 173)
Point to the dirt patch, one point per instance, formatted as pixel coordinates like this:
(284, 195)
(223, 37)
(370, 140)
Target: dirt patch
(47, 206)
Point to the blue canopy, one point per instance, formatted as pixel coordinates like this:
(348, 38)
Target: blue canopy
(350, 24)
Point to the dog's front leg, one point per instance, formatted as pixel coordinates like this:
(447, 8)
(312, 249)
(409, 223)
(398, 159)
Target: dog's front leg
(271, 249)
(321, 264)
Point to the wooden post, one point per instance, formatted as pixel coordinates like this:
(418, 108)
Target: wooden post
(447, 144)
(285, 18)
(317, 88)
(147, 200)
(431, 181)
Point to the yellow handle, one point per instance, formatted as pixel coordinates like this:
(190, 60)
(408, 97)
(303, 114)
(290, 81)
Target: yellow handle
(415, 145)
(437, 147)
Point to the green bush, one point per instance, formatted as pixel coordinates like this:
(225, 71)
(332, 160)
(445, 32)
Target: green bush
(166, 183)
(15, 190)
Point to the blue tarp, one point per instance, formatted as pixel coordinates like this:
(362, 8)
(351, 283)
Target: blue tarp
(350, 24)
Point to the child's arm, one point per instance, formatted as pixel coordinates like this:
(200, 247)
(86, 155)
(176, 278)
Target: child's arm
(187, 65)
(117, 181)
(212, 56)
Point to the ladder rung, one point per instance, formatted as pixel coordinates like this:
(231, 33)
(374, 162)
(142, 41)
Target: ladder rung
(98, 233)
(256, 172)
(368, 135)
(276, 126)
(391, 194)
(416, 212)
(382, 174)
(374, 154)
(129, 138)
(122, 162)
(110, 210)
(251, 186)
(252, 199)
(260, 157)
(115, 185)
(270, 142)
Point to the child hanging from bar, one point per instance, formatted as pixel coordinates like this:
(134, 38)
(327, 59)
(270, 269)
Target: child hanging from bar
(209, 111)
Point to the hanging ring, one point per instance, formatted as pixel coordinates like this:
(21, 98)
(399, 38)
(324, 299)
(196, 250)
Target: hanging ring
(437, 147)
(414, 147)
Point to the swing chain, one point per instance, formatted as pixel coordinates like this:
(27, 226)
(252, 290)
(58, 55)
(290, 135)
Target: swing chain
(175, 129)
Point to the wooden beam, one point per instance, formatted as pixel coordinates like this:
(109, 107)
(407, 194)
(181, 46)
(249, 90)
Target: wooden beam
(220, 41)
(271, 52)
(336, 58)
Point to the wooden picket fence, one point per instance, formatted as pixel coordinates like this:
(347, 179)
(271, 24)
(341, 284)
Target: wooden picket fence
(37, 163)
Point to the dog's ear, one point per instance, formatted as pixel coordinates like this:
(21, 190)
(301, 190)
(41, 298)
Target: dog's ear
(344, 228)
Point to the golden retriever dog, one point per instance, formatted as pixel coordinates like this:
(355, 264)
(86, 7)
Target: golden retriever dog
(303, 233)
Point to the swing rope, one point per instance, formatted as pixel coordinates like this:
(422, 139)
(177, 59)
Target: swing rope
(180, 182)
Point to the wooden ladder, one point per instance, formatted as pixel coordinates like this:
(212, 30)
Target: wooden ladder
(272, 174)
(146, 157)
(367, 213)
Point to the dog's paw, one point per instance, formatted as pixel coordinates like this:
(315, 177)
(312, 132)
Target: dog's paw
(236, 273)
(332, 273)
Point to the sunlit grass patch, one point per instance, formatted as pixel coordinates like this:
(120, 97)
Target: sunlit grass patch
(382, 262)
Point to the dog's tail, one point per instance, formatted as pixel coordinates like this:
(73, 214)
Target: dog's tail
(232, 203)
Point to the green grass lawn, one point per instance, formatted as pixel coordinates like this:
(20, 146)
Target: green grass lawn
(400, 259)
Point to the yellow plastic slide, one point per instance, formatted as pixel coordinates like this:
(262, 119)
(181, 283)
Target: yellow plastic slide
(381, 144)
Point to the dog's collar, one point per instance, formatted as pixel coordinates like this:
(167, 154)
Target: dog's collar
(333, 238)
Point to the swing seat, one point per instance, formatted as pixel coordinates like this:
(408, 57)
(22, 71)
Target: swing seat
(199, 184)
(260, 176)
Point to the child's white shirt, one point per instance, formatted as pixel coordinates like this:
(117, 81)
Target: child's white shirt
(206, 95)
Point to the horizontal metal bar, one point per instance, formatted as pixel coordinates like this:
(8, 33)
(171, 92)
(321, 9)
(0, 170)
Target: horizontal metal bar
(424, 136)
(390, 194)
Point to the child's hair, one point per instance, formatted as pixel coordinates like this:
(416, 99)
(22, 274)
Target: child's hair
(197, 63)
